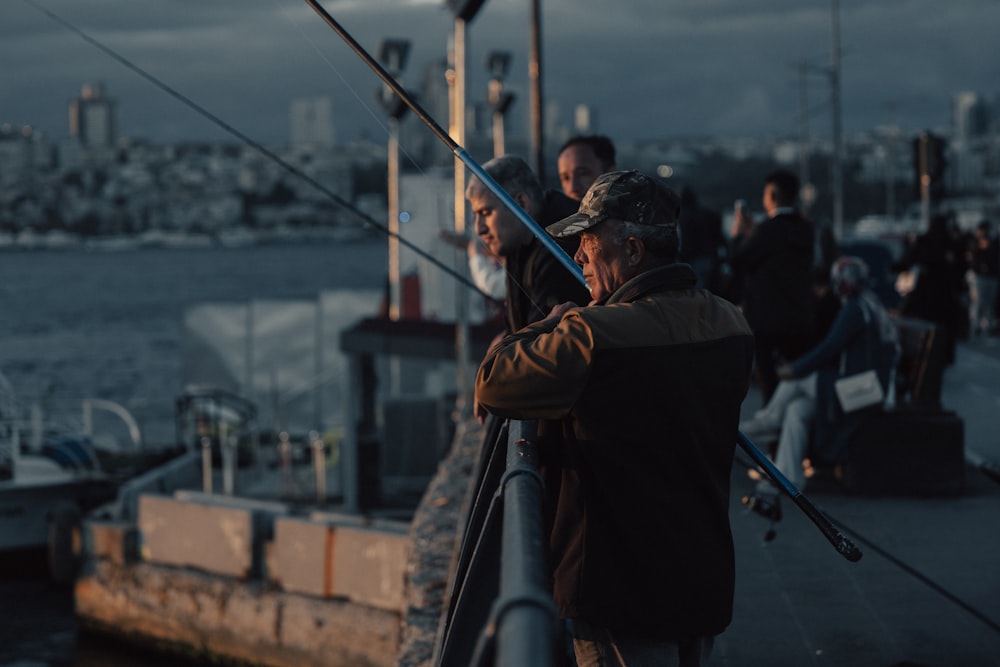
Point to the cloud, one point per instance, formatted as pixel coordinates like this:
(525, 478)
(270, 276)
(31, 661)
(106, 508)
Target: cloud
(690, 67)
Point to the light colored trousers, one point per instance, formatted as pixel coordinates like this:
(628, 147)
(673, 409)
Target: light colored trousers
(793, 405)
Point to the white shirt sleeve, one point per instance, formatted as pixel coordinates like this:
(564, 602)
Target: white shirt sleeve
(488, 274)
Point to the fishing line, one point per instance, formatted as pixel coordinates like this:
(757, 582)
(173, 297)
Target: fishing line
(378, 120)
(900, 564)
(926, 580)
(295, 171)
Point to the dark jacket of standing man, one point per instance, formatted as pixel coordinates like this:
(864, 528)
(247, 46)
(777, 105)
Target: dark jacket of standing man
(775, 259)
(647, 383)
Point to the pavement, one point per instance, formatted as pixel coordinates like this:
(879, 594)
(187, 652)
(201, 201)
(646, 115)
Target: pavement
(926, 592)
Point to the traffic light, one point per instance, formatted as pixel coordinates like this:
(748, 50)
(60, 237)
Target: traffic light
(929, 163)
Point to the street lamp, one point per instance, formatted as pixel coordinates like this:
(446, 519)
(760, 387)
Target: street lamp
(497, 64)
(392, 53)
(465, 11)
(838, 144)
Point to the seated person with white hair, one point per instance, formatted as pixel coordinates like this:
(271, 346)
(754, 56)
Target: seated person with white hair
(863, 337)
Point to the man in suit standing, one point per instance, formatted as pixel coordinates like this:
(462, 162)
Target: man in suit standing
(775, 258)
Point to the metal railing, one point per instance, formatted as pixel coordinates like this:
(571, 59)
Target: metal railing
(500, 610)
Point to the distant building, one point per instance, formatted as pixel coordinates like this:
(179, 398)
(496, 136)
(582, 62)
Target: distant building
(311, 122)
(970, 152)
(24, 155)
(971, 117)
(92, 118)
(584, 119)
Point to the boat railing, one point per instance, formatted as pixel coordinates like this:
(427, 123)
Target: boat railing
(500, 610)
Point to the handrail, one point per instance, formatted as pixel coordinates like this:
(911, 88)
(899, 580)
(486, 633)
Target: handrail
(500, 609)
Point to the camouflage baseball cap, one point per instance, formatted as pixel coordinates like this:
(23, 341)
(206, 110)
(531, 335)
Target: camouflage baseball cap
(629, 196)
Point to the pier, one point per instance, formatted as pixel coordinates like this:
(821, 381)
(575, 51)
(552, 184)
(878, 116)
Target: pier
(283, 588)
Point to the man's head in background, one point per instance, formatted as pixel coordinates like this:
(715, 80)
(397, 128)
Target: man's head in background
(581, 160)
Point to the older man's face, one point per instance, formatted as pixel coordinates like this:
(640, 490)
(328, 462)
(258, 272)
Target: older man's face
(605, 263)
(499, 229)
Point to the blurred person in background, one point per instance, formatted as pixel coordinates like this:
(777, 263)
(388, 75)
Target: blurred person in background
(773, 260)
(984, 262)
(581, 160)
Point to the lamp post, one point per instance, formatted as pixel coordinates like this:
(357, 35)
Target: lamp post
(838, 149)
(392, 54)
(497, 64)
(464, 12)
(535, 82)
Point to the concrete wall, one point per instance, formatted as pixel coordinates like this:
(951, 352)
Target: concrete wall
(207, 616)
(246, 580)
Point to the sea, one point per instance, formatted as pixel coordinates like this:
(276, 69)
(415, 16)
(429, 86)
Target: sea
(108, 324)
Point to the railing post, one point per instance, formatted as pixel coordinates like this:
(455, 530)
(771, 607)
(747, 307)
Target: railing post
(525, 614)
(319, 464)
(501, 600)
(206, 464)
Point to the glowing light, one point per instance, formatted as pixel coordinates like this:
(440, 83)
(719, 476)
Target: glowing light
(664, 171)
(404, 217)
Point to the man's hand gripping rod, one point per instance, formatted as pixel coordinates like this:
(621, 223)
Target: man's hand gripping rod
(842, 544)
(459, 152)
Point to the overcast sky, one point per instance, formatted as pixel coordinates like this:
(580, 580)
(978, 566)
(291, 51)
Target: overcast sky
(650, 68)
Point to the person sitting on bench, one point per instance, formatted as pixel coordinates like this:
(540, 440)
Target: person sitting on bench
(863, 337)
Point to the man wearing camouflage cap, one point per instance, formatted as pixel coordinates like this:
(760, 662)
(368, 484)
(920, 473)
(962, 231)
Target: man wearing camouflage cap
(646, 382)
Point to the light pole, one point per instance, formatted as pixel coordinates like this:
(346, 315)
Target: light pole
(535, 81)
(497, 64)
(804, 140)
(464, 12)
(838, 149)
(392, 53)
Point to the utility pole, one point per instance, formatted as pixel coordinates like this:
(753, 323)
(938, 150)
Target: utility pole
(804, 135)
(464, 12)
(393, 54)
(535, 83)
(890, 160)
(837, 175)
(497, 64)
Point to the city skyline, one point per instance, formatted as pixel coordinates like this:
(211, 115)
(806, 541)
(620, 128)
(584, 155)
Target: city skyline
(648, 69)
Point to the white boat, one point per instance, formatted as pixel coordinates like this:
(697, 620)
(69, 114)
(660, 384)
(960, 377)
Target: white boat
(43, 497)
(39, 490)
(46, 486)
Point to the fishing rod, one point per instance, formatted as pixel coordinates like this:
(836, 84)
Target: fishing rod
(290, 168)
(457, 150)
(843, 545)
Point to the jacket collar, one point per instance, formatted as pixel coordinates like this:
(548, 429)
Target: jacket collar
(660, 279)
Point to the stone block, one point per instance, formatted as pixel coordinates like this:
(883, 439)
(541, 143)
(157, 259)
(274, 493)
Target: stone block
(300, 556)
(115, 541)
(217, 539)
(363, 565)
(369, 566)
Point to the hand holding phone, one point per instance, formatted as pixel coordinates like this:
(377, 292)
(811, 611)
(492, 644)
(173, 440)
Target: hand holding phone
(742, 218)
